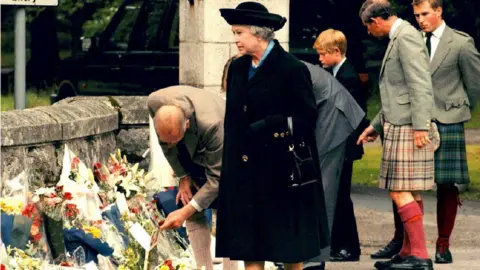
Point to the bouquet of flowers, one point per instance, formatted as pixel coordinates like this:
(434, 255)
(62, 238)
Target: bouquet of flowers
(51, 201)
(148, 246)
(14, 193)
(22, 260)
(20, 215)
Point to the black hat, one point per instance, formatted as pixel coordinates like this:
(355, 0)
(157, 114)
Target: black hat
(252, 13)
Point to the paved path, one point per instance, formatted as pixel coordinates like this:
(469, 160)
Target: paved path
(375, 225)
(472, 135)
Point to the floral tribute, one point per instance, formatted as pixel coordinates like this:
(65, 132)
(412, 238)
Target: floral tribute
(110, 203)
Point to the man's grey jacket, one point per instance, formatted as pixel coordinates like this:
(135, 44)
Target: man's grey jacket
(203, 139)
(455, 70)
(338, 112)
(405, 82)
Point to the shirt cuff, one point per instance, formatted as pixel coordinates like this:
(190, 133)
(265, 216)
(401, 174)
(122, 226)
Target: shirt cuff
(196, 205)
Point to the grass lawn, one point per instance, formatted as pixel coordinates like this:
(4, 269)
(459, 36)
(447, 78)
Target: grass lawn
(33, 100)
(366, 170)
(374, 108)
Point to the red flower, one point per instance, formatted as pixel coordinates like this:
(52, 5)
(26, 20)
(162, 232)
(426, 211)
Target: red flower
(97, 165)
(75, 160)
(72, 210)
(3, 267)
(37, 221)
(28, 210)
(67, 196)
(37, 237)
(169, 264)
(135, 210)
(97, 223)
(69, 264)
(59, 188)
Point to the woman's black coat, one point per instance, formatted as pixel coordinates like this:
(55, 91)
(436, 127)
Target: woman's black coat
(259, 217)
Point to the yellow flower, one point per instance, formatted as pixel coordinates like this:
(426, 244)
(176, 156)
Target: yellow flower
(11, 206)
(164, 267)
(94, 231)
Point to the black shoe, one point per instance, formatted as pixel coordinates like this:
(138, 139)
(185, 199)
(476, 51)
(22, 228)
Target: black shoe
(344, 256)
(443, 255)
(412, 262)
(381, 265)
(320, 266)
(388, 251)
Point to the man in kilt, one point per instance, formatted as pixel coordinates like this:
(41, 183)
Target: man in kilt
(455, 69)
(409, 136)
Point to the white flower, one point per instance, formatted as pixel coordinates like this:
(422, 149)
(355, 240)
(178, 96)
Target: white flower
(35, 199)
(45, 191)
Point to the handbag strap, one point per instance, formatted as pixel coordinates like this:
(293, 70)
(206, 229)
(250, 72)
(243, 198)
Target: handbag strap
(290, 125)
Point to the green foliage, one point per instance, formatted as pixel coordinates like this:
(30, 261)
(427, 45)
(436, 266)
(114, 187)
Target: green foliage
(100, 19)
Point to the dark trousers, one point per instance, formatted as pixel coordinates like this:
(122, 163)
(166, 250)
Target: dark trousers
(344, 231)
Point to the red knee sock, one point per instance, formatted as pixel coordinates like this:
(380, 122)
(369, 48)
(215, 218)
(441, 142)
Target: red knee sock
(406, 249)
(412, 218)
(447, 205)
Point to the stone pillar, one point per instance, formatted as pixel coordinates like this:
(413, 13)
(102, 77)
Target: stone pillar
(206, 40)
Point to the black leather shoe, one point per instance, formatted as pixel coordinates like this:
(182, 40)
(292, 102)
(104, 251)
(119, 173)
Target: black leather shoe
(412, 262)
(344, 256)
(443, 255)
(383, 265)
(388, 251)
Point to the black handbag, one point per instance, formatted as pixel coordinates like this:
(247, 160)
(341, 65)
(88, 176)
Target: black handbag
(304, 170)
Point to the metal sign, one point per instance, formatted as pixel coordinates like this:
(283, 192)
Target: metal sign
(30, 2)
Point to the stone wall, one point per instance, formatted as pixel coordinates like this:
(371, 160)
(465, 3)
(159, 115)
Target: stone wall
(92, 127)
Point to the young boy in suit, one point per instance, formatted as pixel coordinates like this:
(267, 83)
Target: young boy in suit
(331, 46)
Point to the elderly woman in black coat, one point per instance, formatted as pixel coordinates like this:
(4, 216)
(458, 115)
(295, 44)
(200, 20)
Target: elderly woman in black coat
(261, 217)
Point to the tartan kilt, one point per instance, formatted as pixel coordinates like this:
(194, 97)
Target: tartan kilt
(451, 157)
(404, 167)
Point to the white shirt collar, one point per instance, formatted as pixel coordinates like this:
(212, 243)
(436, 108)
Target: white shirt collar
(435, 39)
(439, 31)
(338, 66)
(395, 25)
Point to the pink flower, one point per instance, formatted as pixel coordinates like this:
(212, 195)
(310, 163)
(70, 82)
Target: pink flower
(51, 202)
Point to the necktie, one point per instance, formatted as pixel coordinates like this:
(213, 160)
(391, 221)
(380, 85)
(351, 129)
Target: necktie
(429, 43)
